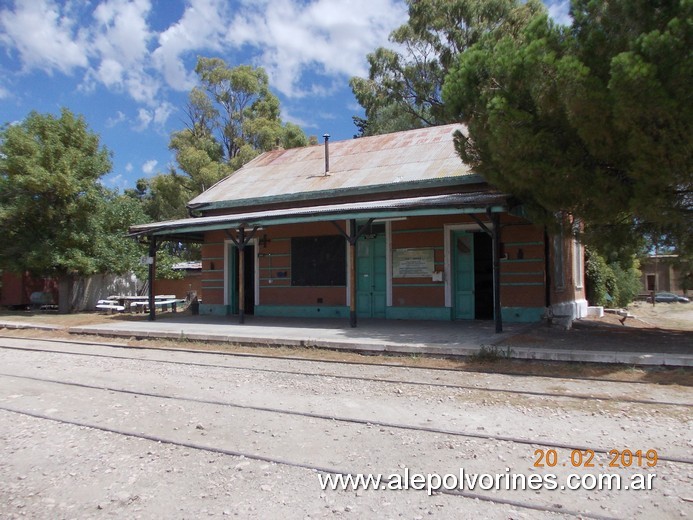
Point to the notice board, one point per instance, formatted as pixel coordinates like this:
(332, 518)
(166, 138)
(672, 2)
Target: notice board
(412, 263)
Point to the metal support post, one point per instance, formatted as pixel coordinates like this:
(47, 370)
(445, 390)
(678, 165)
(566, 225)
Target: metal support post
(152, 277)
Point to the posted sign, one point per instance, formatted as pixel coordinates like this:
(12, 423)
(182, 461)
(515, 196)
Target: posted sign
(412, 263)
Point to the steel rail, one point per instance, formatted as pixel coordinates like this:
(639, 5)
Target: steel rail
(336, 418)
(289, 463)
(588, 397)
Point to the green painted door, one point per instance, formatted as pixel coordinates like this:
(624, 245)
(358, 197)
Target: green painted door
(463, 274)
(370, 277)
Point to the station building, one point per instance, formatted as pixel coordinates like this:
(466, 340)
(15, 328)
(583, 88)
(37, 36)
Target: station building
(393, 226)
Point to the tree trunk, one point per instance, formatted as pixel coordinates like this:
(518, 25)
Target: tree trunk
(64, 290)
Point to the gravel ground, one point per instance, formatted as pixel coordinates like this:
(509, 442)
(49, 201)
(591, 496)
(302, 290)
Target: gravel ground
(59, 468)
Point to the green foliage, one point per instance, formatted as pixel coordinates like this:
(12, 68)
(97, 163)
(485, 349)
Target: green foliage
(628, 284)
(167, 255)
(491, 354)
(611, 284)
(403, 89)
(200, 156)
(599, 278)
(233, 117)
(50, 197)
(593, 119)
(116, 253)
(162, 197)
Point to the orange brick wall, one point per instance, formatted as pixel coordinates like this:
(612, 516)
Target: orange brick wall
(570, 291)
(522, 265)
(212, 279)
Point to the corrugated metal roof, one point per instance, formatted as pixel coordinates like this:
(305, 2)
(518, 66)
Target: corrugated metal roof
(386, 160)
(435, 204)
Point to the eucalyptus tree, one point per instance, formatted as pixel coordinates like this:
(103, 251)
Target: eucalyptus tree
(403, 89)
(233, 116)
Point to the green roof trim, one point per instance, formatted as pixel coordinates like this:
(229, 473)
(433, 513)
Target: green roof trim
(385, 213)
(461, 180)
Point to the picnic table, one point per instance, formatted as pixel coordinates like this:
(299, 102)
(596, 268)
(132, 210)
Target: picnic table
(137, 301)
(164, 303)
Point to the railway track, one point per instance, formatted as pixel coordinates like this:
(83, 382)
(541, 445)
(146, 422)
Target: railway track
(338, 418)
(308, 369)
(326, 374)
(560, 510)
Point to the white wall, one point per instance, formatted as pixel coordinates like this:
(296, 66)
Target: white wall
(87, 291)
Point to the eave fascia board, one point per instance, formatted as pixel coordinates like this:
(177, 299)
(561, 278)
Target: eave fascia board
(326, 217)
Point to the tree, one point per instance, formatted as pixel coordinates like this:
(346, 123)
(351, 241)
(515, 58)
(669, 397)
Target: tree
(114, 251)
(232, 117)
(592, 119)
(56, 219)
(403, 89)
(614, 283)
(162, 197)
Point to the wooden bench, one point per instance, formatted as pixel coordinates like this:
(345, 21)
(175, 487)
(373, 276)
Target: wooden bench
(110, 306)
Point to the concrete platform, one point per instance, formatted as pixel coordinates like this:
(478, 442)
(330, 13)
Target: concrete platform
(379, 336)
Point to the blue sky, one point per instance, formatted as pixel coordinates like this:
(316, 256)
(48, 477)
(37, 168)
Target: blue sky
(127, 65)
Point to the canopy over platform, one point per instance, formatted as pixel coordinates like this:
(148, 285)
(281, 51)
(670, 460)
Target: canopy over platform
(193, 228)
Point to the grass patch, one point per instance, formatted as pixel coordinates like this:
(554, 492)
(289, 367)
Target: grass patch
(491, 354)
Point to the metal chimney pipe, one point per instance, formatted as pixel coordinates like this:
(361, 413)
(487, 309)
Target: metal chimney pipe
(327, 153)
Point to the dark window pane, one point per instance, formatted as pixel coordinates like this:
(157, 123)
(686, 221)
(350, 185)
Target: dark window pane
(318, 261)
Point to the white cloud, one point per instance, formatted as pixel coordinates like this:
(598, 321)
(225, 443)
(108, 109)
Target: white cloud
(116, 120)
(142, 87)
(124, 32)
(158, 116)
(308, 47)
(200, 28)
(120, 47)
(144, 117)
(45, 36)
(287, 117)
(128, 167)
(163, 112)
(110, 72)
(324, 38)
(148, 167)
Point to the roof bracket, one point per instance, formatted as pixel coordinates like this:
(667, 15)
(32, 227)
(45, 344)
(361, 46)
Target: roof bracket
(352, 239)
(242, 239)
(482, 224)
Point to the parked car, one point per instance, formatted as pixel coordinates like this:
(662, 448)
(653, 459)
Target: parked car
(667, 297)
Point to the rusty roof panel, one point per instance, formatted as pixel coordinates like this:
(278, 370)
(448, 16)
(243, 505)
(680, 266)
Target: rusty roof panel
(416, 155)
